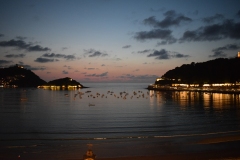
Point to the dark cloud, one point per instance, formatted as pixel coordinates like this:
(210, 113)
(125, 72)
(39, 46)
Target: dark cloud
(98, 75)
(4, 62)
(53, 55)
(127, 46)
(69, 57)
(144, 51)
(219, 52)
(68, 67)
(20, 44)
(214, 32)
(163, 54)
(65, 72)
(160, 30)
(169, 40)
(238, 14)
(156, 34)
(103, 65)
(171, 19)
(15, 55)
(1, 35)
(38, 48)
(179, 55)
(44, 60)
(94, 53)
(212, 19)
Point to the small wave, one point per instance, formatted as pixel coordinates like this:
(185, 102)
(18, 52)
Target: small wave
(120, 137)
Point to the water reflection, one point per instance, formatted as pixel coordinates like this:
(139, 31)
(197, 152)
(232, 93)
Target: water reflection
(217, 101)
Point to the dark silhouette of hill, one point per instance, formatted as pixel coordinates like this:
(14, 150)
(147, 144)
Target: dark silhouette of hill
(221, 70)
(64, 82)
(20, 77)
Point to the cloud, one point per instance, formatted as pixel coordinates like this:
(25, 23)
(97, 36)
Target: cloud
(53, 55)
(4, 62)
(219, 52)
(163, 54)
(127, 46)
(68, 67)
(37, 48)
(15, 55)
(144, 51)
(65, 72)
(160, 30)
(238, 14)
(20, 44)
(1, 35)
(214, 32)
(90, 68)
(179, 55)
(103, 65)
(98, 75)
(212, 19)
(171, 19)
(44, 60)
(94, 53)
(163, 34)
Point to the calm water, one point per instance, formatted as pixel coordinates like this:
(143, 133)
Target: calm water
(36, 121)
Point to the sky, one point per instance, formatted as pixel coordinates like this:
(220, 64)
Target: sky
(115, 40)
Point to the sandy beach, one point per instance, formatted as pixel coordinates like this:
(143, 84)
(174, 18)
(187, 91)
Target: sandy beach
(224, 147)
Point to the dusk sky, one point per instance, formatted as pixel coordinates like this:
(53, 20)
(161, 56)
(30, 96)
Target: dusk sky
(115, 40)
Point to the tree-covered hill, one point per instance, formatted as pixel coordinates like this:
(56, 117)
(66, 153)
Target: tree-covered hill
(222, 70)
(64, 82)
(19, 77)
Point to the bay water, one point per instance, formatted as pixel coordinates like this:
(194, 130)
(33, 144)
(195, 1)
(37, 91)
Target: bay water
(117, 119)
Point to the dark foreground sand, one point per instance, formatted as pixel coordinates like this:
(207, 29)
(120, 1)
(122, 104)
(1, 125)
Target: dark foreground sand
(213, 147)
(217, 155)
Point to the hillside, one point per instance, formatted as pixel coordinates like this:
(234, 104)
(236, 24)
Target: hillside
(19, 77)
(64, 82)
(222, 70)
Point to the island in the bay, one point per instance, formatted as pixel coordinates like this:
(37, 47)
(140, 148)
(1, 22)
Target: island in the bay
(219, 75)
(17, 77)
